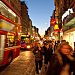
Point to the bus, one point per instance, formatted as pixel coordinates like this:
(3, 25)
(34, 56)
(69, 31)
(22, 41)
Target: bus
(9, 45)
(9, 35)
(9, 48)
(26, 42)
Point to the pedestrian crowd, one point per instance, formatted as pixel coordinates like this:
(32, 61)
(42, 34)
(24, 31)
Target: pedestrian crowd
(59, 58)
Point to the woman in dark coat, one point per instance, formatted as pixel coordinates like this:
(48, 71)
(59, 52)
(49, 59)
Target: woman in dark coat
(61, 61)
(38, 52)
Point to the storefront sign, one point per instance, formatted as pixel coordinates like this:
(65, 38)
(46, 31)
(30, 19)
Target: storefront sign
(52, 21)
(56, 28)
(68, 12)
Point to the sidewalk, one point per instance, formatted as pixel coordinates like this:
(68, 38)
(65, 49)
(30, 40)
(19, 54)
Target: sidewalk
(24, 64)
(43, 71)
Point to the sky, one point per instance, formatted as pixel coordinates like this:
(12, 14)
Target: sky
(40, 12)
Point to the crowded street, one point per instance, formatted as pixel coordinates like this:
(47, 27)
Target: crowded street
(24, 64)
(37, 37)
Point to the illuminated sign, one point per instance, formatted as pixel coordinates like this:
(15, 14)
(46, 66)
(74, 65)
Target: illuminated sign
(56, 27)
(52, 21)
(67, 13)
(4, 25)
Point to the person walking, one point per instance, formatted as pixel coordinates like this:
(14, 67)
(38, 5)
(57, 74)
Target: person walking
(47, 53)
(73, 67)
(38, 52)
(61, 61)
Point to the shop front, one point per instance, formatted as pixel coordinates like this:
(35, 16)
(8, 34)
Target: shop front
(69, 27)
(69, 36)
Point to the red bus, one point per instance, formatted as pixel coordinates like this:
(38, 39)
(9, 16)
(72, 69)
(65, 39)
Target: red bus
(26, 42)
(9, 35)
(9, 47)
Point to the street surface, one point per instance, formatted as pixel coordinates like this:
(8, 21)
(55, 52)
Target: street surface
(24, 64)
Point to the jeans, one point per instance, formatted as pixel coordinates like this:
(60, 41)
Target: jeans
(38, 66)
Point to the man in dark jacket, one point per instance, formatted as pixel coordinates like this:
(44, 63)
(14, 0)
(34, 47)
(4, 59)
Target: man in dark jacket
(47, 53)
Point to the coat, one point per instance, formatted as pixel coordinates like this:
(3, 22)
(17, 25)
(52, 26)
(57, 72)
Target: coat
(47, 53)
(39, 55)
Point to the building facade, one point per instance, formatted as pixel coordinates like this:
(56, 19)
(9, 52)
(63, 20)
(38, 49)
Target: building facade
(65, 12)
(26, 21)
(68, 19)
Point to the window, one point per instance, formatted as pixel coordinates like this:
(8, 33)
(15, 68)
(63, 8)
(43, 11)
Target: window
(2, 44)
(10, 40)
(7, 12)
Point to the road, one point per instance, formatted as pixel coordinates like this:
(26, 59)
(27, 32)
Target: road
(24, 64)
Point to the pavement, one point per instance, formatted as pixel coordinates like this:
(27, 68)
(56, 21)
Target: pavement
(24, 64)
